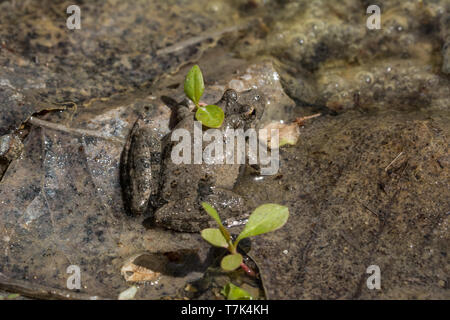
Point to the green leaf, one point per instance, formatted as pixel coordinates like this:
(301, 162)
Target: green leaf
(193, 84)
(231, 262)
(232, 292)
(267, 217)
(210, 116)
(214, 237)
(212, 212)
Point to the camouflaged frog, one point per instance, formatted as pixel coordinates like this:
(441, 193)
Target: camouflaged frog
(171, 193)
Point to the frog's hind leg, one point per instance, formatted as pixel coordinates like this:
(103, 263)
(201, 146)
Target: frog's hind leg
(140, 168)
(181, 216)
(186, 215)
(230, 205)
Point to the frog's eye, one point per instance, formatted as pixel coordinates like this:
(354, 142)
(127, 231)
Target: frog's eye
(249, 111)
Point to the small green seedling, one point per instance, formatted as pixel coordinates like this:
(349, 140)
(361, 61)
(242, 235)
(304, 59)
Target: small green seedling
(267, 217)
(211, 116)
(232, 292)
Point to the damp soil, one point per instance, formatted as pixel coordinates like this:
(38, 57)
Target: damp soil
(366, 184)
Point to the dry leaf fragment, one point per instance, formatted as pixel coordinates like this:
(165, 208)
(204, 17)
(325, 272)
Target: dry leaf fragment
(288, 134)
(134, 273)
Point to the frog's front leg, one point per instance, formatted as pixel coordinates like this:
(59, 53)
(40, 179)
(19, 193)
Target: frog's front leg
(187, 214)
(140, 168)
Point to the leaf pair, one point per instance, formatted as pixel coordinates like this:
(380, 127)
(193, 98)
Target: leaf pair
(266, 218)
(210, 116)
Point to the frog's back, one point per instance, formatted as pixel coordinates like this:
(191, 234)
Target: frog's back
(180, 180)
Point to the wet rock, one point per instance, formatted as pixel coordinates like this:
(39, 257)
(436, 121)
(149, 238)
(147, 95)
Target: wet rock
(314, 32)
(387, 84)
(366, 190)
(119, 47)
(331, 59)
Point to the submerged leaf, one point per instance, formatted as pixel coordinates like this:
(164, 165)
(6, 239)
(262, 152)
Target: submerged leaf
(267, 217)
(232, 292)
(193, 84)
(214, 237)
(210, 116)
(231, 262)
(128, 294)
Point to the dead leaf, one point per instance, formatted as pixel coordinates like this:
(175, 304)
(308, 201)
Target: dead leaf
(135, 273)
(288, 134)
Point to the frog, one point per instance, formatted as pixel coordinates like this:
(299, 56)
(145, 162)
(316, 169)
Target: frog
(171, 194)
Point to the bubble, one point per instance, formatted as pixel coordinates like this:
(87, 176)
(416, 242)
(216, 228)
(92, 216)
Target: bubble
(280, 36)
(365, 77)
(316, 25)
(276, 76)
